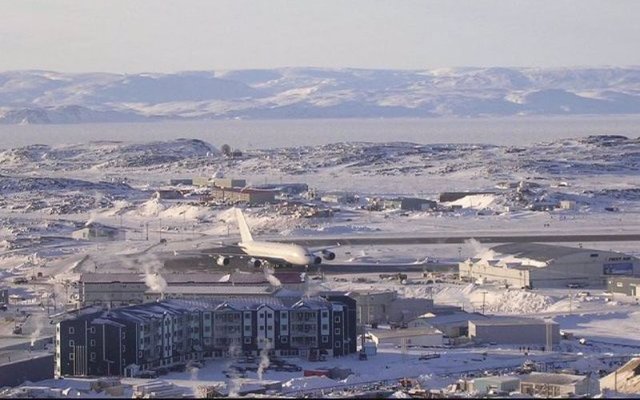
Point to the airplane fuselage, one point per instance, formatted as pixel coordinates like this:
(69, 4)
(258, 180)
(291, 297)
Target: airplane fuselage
(288, 253)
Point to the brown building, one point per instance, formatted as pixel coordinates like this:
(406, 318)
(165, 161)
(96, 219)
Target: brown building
(244, 195)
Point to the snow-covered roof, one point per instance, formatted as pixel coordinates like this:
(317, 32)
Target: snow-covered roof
(499, 320)
(497, 378)
(400, 333)
(213, 290)
(552, 379)
(194, 278)
(451, 318)
(126, 277)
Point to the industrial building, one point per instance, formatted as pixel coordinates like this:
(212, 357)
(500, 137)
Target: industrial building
(446, 197)
(625, 379)
(127, 340)
(409, 204)
(422, 336)
(504, 384)
(123, 289)
(548, 385)
(387, 308)
(512, 330)
(234, 195)
(285, 188)
(98, 232)
(219, 182)
(534, 265)
(624, 285)
(453, 323)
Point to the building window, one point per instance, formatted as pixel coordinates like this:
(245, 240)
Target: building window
(283, 328)
(337, 319)
(262, 328)
(72, 356)
(261, 315)
(338, 344)
(325, 327)
(337, 331)
(269, 328)
(284, 339)
(325, 339)
(247, 328)
(92, 330)
(71, 330)
(269, 316)
(71, 343)
(123, 348)
(247, 340)
(124, 335)
(92, 342)
(93, 356)
(325, 314)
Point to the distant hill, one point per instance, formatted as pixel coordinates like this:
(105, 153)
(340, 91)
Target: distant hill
(28, 97)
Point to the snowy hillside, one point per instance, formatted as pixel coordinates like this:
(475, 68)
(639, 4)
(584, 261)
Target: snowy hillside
(593, 172)
(51, 97)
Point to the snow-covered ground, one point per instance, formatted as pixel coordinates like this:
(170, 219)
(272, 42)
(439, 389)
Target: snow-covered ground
(50, 191)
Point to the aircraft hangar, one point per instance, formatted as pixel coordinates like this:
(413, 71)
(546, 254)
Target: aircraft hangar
(535, 265)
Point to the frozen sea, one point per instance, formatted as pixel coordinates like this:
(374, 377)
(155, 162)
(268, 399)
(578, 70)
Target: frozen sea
(248, 134)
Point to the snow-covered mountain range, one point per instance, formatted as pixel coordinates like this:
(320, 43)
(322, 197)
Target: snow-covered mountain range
(52, 97)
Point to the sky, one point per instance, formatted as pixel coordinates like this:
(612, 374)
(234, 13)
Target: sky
(169, 36)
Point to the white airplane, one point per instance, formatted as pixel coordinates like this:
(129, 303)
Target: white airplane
(273, 252)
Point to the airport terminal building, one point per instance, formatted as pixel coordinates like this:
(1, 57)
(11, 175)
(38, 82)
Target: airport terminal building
(534, 265)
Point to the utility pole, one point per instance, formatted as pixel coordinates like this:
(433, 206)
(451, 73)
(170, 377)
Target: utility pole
(570, 303)
(484, 293)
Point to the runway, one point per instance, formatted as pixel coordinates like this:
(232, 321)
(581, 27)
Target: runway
(206, 261)
(405, 240)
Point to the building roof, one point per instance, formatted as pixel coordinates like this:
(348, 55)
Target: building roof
(142, 313)
(539, 251)
(503, 321)
(451, 318)
(195, 278)
(626, 279)
(216, 290)
(497, 378)
(400, 333)
(243, 190)
(552, 379)
(126, 277)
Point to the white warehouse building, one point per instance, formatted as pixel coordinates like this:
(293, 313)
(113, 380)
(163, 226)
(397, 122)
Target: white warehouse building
(536, 265)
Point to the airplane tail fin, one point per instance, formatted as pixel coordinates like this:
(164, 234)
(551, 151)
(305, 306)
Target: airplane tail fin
(245, 233)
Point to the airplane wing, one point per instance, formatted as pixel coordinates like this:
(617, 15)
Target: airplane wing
(320, 249)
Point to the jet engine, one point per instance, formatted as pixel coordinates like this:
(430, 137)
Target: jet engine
(254, 262)
(222, 261)
(328, 255)
(317, 260)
